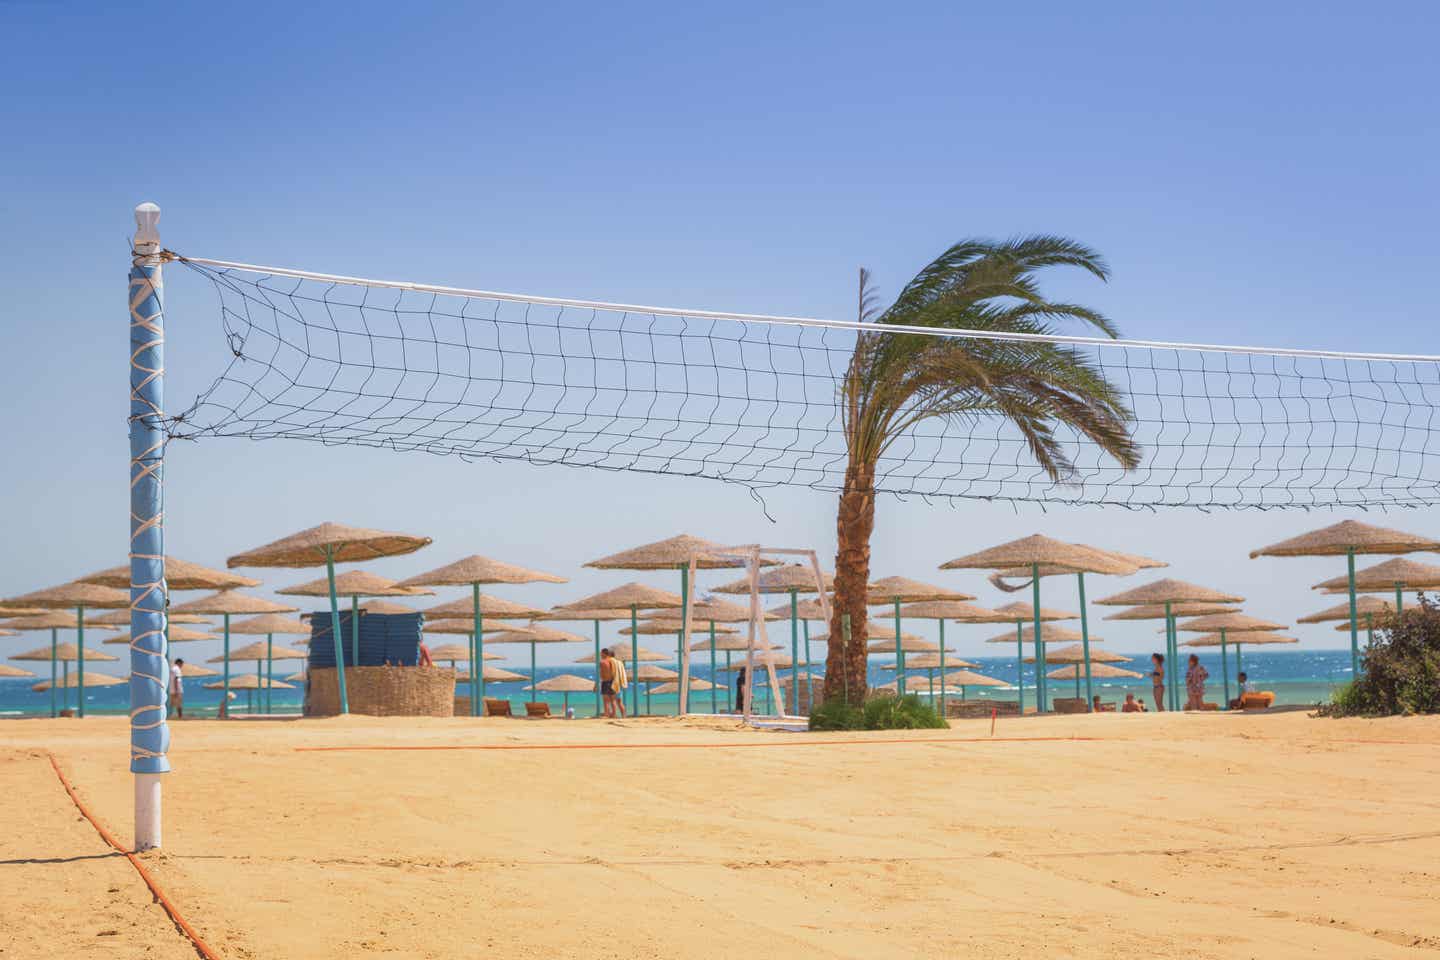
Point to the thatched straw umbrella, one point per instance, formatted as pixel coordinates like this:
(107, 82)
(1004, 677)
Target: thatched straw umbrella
(792, 579)
(73, 681)
(267, 625)
(1074, 658)
(386, 607)
(662, 625)
(562, 614)
(650, 675)
(1396, 574)
(1348, 538)
(1103, 670)
(474, 572)
(194, 670)
(1233, 627)
(63, 654)
(1023, 615)
(1034, 552)
(675, 553)
(967, 678)
(491, 607)
(225, 604)
(534, 636)
(807, 610)
(8, 671)
(566, 684)
(1167, 593)
(1254, 639)
(928, 663)
(894, 591)
(697, 685)
(628, 651)
(299, 676)
(177, 635)
(494, 675)
(1367, 607)
(1156, 611)
(180, 575)
(327, 545)
(54, 621)
(940, 611)
(78, 597)
(249, 683)
(354, 584)
(1074, 653)
(454, 652)
(633, 597)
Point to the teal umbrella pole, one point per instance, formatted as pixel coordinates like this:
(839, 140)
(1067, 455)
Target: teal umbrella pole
(1369, 630)
(259, 682)
(1399, 598)
(1020, 663)
(1225, 668)
(334, 636)
(533, 678)
(477, 664)
(1171, 666)
(795, 650)
(65, 689)
(635, 664)
(682, 697)
(1077, 684)
(1354, 617)
(942, 668)
(930, 674)
(269, 669)
(1239, 663)
(1085, 645)
(599, 705)
(648, 709)
(714, 687)
(80, 663)
(1042, 695)
(54, 642)
(899, 654)
(809, 676)
(225, 692)
(727, 682)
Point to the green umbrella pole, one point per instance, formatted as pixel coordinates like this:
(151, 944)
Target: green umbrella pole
(635, 664)
(1020, 663)
(477, 662)
(1369, 630)
(1399, 598)
(1239, 663)
(65, 689)
(1225, 668)
(727, 682)
(714, 687)
(225, 693)
(533, 679)
(1085, 646)
(809, 676)
(80, 676)
(334, 636)
(259, 682)
(1077, 684)
(54, 642)
(1042, 695)
(250, 698)
(899, 654)
(682, 696)
(942, 668)
(795, 650)
(931, 673)
(270, 669)
(648, 710)
(599, 705)
(1354, 618)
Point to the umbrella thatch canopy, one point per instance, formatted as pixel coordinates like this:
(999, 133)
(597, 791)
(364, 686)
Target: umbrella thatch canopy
(70, 596)
(56, 620)
(804, 609)
(778, 660)
(1168, 591)
(1050, 635)
(454, 651)
(249, 681)
(696, 684)
(1021, 612)
(195, 670)
(385, 606)
(904, 590)
(784, 578)
(474, 569)
(258, 651)
(1156, 611)
(232, 603)
(564, 683)
(11, 611)
(354, 583)
(1348, 536)
(659, 627)
(629, 595)
(269, 623)
(1386, 576)
(733, 642)
(909, 643)
(121, 618)
(73, 681)
(726, 611)
(576, 614)
(931, 661)
(494, 675)
(876, 630)
(8, 671)
(1042, 550)
(327, 542)
(8, 633)
(649, 673)
(1248, 639)
(63, 651)
(622, 651)
(1229, 623)
(956, 610)
(467, 627)
(1076, 654)
(296, 677)
(672, 553)
(179, 575)
(964, 678)
(1364, 606)
(489, 607)
(535, 635)
(1072, 672)
(175, 635)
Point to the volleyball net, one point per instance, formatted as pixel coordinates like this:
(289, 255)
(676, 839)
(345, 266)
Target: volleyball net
(755, 400)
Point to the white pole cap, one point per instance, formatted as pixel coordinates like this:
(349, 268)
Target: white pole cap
(147, 228)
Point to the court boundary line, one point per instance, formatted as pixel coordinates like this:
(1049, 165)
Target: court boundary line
(176, 917)
(686, 746)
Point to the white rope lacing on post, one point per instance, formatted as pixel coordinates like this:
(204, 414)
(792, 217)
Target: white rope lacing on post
(145, 466)
(760, 318)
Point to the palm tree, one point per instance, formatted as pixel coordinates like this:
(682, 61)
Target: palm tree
(896, 381)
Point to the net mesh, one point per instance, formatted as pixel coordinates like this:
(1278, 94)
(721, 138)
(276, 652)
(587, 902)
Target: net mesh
(757, 403)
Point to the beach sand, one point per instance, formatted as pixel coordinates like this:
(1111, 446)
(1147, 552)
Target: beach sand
(1165, 835)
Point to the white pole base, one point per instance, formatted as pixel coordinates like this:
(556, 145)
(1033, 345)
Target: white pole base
(147, 811)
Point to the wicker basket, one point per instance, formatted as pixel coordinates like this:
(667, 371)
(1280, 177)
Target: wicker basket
(383, 691)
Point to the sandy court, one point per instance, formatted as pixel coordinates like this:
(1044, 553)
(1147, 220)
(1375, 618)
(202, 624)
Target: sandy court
(1208, 836)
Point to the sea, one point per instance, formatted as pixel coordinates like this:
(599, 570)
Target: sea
(1297, 678)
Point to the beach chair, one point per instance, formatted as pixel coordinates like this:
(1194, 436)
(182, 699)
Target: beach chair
(537, 711)
(1260, 700)
(1070, 705)
(497, 708)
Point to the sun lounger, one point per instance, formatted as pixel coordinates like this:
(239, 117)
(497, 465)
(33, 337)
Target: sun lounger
(1260, 700)
(1070, 705)
(537, 711)
(497, 708)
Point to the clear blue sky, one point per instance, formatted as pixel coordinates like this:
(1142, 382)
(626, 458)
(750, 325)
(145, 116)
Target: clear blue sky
(1254, 177)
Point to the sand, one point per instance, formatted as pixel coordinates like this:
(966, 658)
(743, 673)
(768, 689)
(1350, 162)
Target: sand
(1201, 836)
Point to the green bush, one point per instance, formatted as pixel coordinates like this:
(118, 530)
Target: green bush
(836, 714)
(902, 713)
(1399, 672)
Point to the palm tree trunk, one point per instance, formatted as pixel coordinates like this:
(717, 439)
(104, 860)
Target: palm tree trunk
(855, 521)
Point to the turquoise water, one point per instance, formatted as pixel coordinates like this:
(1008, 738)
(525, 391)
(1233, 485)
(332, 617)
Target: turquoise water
(1296, 677)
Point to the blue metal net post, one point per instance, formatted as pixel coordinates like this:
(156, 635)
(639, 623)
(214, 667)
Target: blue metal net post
(149, 673)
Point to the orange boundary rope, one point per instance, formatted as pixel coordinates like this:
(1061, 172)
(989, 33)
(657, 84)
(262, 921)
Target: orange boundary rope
(694, 746)
(184, 927)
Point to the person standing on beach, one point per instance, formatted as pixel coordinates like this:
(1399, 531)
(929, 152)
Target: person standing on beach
(177, 692)
(740, 678)
(1157, 678)
(1195, 677)
(612, 683)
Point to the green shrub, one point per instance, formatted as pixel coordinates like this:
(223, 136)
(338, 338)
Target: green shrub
(836, 714)
(901, 713)
(1399, 672)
